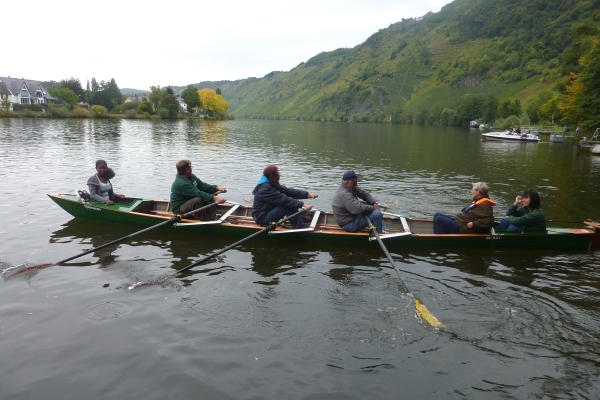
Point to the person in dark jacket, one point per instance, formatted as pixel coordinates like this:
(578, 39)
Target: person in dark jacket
(188, 193)
(477, 217)
(99, 185)
(273, 201)
(524, 215)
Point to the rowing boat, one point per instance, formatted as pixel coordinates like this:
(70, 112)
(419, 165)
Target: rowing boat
(236, 219)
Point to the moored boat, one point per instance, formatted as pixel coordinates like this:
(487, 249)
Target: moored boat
(508, 136)
(236, 219)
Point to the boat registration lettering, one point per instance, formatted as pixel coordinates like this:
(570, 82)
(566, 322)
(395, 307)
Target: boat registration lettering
(493, 238)
(92, 207)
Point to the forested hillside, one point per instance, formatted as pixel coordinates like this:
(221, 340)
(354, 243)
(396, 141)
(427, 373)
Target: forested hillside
(473, 59)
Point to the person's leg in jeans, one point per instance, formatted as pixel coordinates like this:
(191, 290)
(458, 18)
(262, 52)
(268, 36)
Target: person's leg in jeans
(506, 226)
(376, 218)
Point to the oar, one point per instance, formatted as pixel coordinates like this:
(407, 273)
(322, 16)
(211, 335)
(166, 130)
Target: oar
(268, 228)
(24, 267)
(420, 309)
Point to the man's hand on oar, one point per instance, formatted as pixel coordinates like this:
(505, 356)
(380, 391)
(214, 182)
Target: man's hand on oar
(420, 309)
(268, 228)
(12, 271)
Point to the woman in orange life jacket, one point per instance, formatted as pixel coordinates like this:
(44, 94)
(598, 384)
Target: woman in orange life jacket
(477, 217)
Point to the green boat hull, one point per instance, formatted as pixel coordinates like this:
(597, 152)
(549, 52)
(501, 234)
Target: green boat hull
(138, 212)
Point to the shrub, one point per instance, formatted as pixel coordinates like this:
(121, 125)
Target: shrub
(36, 107)
(163, 112)
(59, 112)
(80, 112)
(18, 107)
(131, 114)
(145, 107)
(3, 114)
(29, 114)
(99, 111)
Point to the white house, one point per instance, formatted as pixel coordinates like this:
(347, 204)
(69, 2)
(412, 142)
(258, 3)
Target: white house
(24, 91)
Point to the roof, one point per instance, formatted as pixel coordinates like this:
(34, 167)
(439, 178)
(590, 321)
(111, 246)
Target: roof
(4, 89)
(15, 85)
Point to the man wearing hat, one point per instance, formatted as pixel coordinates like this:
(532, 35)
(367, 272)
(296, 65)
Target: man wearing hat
(350, 212)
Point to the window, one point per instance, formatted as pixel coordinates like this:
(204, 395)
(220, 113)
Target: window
(24, 93)
(39, 94)
(25, 100)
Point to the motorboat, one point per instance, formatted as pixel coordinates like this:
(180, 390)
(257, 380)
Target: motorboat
(511, 136)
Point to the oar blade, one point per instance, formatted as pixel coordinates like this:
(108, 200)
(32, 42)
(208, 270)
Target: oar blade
(150, 282)
(22, 268)
(424, 313)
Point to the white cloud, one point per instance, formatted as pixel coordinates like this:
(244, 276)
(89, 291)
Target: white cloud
(181, 42)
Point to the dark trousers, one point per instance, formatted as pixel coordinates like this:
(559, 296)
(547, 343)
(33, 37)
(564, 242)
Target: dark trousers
(208, 214)
(278, 212)
(443, 223)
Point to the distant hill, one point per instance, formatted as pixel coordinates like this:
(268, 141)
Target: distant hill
(418, 70)
(201, 85)
(128, 91)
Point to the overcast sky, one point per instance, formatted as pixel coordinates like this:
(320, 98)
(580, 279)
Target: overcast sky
(142, 43)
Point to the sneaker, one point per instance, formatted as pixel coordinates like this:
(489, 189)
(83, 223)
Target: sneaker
(384, 232)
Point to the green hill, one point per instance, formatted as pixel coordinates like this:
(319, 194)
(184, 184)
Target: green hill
(446, 67)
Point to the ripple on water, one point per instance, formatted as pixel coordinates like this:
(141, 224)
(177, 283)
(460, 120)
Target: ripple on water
(107, 310)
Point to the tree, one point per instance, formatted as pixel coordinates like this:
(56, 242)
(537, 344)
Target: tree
(213, 103)
(169, 102)
(155, 96)
(106, 94)
(5, 105)
(74, 85)
(191, 98)
(65, 95)
(490, 109)
(470, 108)
(164, 102)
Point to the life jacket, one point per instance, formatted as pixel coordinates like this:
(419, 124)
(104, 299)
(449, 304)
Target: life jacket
(471, 206)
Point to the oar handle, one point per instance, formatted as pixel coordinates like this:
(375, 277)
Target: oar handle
(270, 227)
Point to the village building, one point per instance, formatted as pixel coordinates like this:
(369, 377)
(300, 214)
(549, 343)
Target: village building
(24, 91)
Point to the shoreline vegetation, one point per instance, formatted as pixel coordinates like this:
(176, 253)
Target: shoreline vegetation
(85, 114)
(82, 113)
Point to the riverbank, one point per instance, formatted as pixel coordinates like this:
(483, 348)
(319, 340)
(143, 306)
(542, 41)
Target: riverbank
(90, 115)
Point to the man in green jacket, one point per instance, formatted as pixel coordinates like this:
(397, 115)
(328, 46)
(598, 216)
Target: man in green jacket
(189, 193)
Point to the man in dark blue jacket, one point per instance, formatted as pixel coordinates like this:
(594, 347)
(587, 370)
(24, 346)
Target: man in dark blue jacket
(273, 201)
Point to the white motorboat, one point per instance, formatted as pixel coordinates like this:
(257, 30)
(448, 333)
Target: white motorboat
(508, 136)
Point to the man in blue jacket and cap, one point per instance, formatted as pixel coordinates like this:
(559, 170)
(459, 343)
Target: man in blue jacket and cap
(348, 209)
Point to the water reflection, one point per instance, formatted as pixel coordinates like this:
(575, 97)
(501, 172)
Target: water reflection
(317, 313)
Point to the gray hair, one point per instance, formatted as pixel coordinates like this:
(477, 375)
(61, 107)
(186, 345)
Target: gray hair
(481, 187)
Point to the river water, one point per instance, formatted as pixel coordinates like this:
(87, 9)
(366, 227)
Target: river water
(293, 321)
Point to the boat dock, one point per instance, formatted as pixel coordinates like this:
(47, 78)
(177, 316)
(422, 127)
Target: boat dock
(593, 142)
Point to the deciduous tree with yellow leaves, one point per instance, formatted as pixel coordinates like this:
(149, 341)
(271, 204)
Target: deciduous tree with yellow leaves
(213, 103)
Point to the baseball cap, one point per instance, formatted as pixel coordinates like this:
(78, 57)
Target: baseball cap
(351, 176)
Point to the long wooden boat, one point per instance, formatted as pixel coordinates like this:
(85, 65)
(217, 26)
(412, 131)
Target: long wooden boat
(236, 219)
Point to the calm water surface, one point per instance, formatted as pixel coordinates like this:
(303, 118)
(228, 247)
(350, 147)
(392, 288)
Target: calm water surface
(293, 321)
